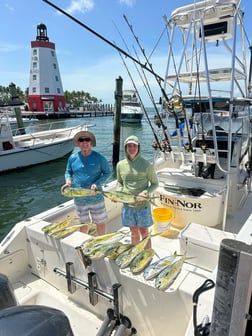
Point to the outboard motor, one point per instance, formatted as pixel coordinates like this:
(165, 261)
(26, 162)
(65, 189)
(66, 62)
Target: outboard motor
(7, 297)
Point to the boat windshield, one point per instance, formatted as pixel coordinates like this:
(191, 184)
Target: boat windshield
(204, 124)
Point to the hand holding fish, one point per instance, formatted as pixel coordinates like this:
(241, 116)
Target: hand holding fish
(66, 185)
(94, 188)
(142, 196)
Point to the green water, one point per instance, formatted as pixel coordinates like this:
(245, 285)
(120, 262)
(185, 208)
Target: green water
(26, 192)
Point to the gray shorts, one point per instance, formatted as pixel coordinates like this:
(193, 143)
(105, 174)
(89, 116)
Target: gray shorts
(95, 213)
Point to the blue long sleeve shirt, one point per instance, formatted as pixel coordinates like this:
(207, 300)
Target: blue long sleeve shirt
(85, 171)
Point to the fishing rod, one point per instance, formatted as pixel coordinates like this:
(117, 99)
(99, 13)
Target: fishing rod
(164, 94)
(164, 128)
(148, 90)
(105, 40)
(166, 144)
(146, 114)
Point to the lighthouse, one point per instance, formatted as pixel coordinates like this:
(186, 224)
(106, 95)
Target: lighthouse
(45, 87)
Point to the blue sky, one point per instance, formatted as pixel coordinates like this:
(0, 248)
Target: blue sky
(87, 63)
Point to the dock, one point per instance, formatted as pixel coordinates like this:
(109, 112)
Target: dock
(88, 110)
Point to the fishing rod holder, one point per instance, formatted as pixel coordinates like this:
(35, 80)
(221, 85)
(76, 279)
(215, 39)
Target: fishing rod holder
(91, 285)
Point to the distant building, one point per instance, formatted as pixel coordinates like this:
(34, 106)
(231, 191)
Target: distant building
(45, 87)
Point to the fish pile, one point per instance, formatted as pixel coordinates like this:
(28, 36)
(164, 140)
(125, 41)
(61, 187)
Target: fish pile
(165, 270)
(62, 229)
(135, 257)
(115, 196)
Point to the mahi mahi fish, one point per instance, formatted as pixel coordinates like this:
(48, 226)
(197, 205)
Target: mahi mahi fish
(90, 248)
(99, 251)
(141, 261)
(100, 239)
(67, 231)
(155, 268)
(114, 253)
(55, 227)
(168, 275)
(78, 192)
(132, 252)
(120, 196)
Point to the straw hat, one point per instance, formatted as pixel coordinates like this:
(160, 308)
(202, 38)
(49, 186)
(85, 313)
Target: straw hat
(84, 134)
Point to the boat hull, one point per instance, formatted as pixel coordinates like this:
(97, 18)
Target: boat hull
(24, 157)
(131, 117)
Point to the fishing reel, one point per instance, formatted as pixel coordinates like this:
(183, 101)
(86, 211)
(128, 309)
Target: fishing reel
(175, 105)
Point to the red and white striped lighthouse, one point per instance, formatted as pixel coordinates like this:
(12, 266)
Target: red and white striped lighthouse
(45, 88)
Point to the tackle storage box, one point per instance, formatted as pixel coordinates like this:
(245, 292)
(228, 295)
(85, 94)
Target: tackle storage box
(202, 244)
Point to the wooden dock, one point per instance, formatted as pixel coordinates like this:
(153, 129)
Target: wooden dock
(90, 110)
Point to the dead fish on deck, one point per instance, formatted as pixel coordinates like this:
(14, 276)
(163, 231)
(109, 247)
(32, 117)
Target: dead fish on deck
(141, 261)
(155, 268)
(120, 196)
(78, 192)
(55, 227)
(67, 231)
(114, 253)
(168, 275)
(132, 252)
(99, 251)
(95, 240)
(92, 248)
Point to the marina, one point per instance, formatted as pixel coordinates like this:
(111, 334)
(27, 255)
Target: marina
(196, 278)
(90, 110)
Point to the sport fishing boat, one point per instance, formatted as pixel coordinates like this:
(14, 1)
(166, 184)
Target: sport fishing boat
(29, 149)
(199, 281)
(131, 110)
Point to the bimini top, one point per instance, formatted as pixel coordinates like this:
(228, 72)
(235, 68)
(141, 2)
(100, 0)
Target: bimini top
(210, 10)
(215, 75)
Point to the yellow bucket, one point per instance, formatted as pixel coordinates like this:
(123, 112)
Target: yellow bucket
(162, 219)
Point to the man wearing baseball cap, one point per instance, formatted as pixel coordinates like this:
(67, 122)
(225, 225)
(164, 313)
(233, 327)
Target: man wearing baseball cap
(88, 169)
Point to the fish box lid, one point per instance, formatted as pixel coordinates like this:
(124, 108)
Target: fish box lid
(204, 236)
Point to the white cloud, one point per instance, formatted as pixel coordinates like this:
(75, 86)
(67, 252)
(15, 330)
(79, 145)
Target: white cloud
(129, 3)
(9, 7)
(82, 6)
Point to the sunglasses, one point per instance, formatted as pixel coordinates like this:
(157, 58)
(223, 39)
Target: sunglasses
(84, 139)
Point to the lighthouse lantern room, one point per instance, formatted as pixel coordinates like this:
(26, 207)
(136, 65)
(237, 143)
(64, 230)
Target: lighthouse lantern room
(45, 88)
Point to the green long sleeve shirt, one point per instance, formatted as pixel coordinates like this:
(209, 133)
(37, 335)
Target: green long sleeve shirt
(135, 176)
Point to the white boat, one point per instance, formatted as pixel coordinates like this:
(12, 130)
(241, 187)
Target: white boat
(131, 110)
(206, 184)
(29, 149)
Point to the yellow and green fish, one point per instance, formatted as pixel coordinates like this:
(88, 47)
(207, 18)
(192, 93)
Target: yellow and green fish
(67, 231)
(55, 227)
(155, 268)
(141, 261)
(132, 253)
(166, 277)
(99, 251)
(78, 192)
(114, 253)
(120, 196)
(99, 239)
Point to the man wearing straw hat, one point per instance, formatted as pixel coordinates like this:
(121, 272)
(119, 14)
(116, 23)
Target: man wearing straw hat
(88, 169)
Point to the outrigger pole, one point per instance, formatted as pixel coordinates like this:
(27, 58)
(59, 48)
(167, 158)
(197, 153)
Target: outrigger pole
(146, 114)
(105, 40)
(157, 79)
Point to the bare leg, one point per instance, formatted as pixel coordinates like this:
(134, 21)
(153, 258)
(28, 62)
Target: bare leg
(101, 229)
(135, 235)
(144, 233)
(84, 229)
